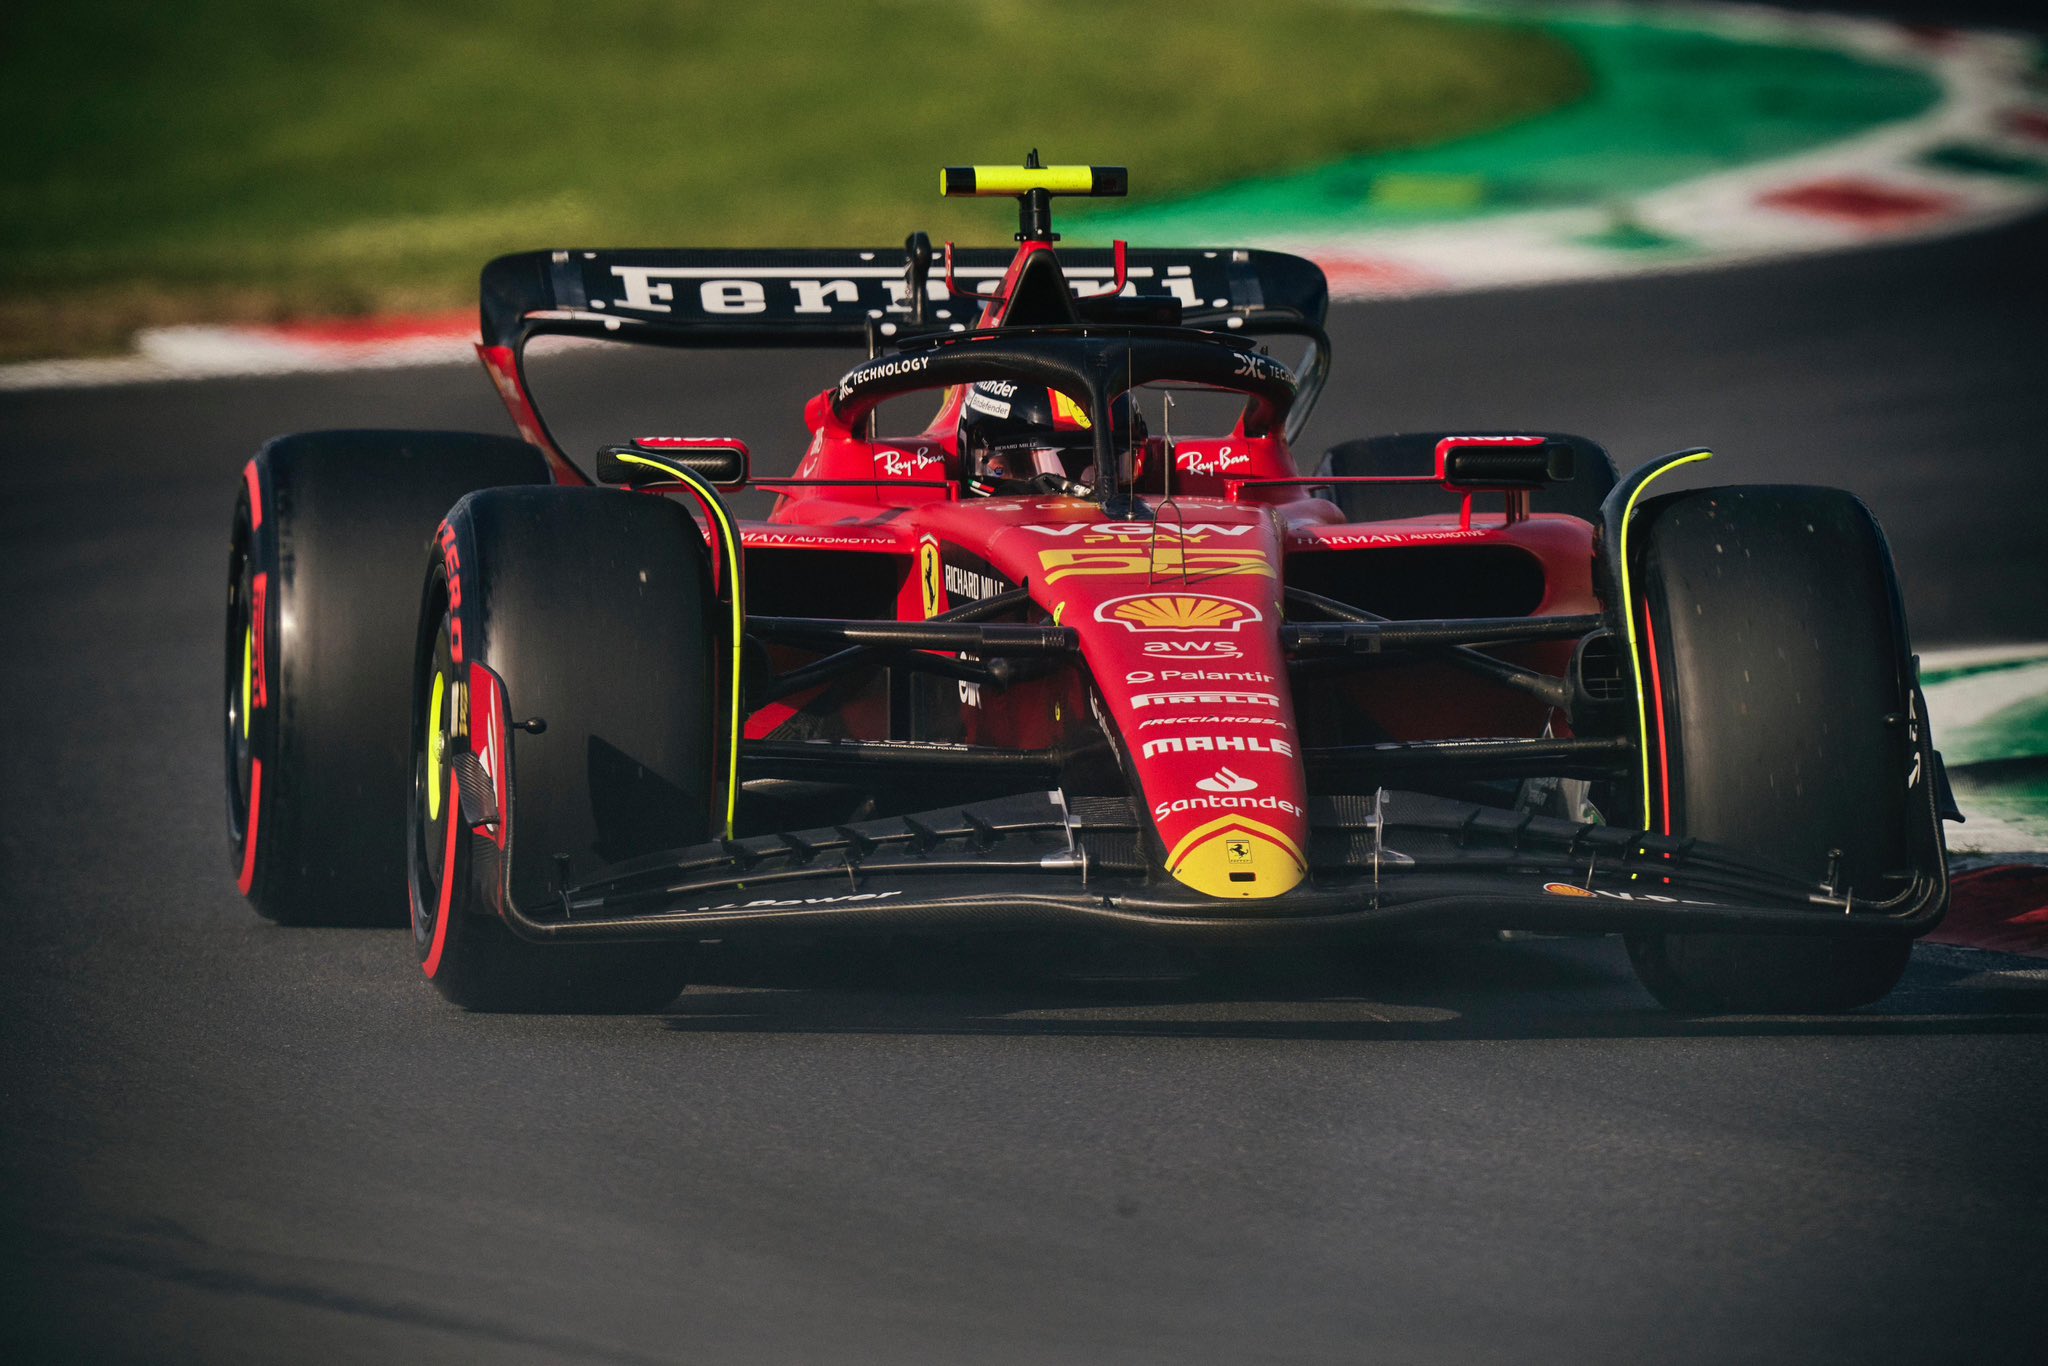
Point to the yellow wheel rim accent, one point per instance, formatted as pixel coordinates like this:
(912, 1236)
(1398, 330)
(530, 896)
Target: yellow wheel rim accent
(248, 674)
(437, 745)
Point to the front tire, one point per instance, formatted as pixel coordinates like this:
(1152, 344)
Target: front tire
(1778, 687)
(561, 723)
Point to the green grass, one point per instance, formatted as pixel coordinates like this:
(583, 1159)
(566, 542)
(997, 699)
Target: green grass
(258, 158)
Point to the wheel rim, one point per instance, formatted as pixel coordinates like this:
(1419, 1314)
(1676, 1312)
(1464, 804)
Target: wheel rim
(435, 854)
(240, 670)
(437, 746)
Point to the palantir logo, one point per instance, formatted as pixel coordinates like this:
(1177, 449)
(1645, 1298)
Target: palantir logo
(1223, 780)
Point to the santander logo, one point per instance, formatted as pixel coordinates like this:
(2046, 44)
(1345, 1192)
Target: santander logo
(1223, 780)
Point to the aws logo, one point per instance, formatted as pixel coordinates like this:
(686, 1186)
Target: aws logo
(1192, 649)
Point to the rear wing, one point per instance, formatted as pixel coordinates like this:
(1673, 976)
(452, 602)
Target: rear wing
(853, 297)
(726, 298)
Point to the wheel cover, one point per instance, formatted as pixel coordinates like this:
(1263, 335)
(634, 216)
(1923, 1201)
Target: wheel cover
(239, 705)
(437, 746)
(435, 857)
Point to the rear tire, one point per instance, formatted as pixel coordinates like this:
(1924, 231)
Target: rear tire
(1768, 616)
(591, 609)
(324, 557)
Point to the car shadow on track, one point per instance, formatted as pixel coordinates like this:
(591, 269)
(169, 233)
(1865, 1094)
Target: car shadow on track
(1425, 989)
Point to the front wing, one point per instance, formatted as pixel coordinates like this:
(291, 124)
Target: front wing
(1378, 862)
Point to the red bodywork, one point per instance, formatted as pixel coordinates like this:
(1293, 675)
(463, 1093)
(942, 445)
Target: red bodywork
(1178, 612)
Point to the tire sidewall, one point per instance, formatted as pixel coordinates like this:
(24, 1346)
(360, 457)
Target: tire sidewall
(1776, 676)
(336, 523)
(541, 588)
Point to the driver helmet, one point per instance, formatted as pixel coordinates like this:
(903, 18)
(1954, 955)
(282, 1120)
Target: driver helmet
(1011, 433)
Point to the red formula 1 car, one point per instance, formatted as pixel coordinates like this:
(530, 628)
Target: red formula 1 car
(1045, 657)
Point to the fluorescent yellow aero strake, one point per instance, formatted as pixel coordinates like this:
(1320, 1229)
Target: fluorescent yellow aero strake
(437, 746)
(1628, 614)
(729, 538)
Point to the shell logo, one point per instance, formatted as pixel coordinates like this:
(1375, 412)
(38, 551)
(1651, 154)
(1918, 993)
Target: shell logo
(1177, 612)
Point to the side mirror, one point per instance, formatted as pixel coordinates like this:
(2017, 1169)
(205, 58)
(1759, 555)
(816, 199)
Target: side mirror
(1502, 462)
(722, 461)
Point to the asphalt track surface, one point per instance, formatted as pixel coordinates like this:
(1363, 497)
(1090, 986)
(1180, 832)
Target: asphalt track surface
(225, 1141)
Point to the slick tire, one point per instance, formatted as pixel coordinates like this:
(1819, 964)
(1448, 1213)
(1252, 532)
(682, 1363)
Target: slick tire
(1414, 453)
(329, 532)
(1778, 679)
(563, 701)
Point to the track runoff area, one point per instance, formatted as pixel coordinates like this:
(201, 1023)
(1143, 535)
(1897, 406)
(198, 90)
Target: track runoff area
(1688, 156)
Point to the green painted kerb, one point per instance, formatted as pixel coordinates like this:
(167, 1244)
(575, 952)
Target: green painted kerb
(2018, 732)
(1666, 106)
(1998, 764)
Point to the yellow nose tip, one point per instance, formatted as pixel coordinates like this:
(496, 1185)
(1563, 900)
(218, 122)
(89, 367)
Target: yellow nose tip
(1237, 858)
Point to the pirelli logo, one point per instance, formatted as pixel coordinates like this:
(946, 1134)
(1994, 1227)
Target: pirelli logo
(1139, 701)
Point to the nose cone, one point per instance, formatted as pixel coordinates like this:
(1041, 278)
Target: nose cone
(1180, 624)
(1197, 687)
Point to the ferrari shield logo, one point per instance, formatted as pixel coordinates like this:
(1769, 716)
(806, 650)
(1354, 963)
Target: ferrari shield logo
(932, 576)
(1237, 851)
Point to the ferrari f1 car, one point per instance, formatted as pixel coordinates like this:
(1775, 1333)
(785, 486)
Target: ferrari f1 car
(1046, 657)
